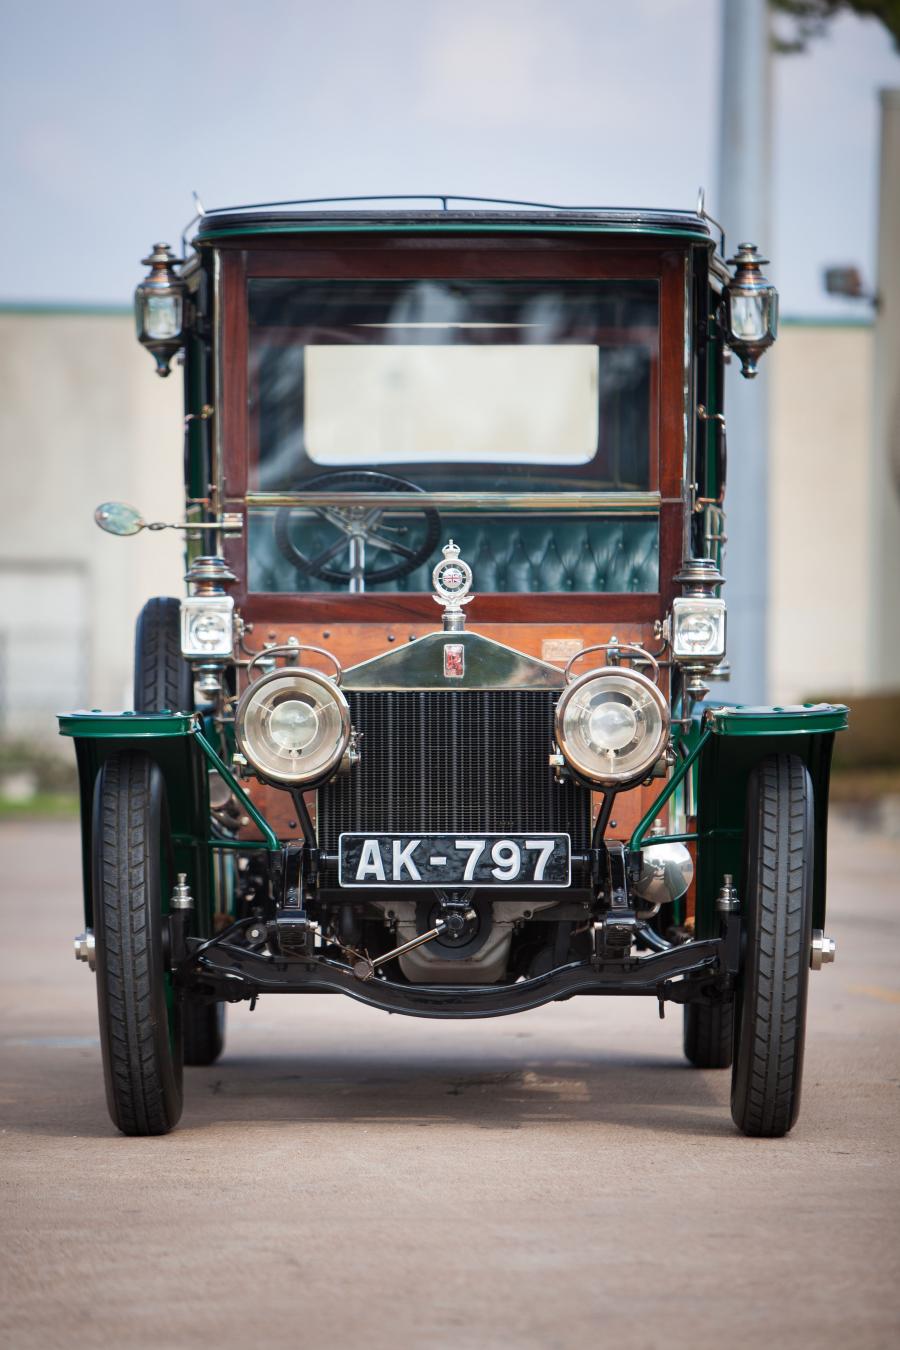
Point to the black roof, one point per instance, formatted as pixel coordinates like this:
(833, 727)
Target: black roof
(320, 215)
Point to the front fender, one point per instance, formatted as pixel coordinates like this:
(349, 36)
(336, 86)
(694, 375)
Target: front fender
(170, 740)
(739, 739)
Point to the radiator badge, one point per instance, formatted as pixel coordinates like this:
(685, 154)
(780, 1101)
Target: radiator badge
(454, 660)
(452, 580)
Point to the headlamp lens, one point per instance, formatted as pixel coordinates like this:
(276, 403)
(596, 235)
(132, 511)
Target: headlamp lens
(294, 724)
(611, 724)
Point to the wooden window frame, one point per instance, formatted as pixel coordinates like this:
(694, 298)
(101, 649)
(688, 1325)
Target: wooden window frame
(413, 257)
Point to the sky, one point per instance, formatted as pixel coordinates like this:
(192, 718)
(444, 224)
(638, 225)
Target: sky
(112, 113)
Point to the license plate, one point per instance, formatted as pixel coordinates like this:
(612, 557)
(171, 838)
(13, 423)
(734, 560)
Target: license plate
(429, 860)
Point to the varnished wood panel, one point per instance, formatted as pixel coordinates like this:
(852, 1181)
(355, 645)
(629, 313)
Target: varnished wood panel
(399, 610)
(355, 642)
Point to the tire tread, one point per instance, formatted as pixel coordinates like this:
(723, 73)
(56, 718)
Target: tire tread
(162, 677)
(138, 1100)
(768, 1066)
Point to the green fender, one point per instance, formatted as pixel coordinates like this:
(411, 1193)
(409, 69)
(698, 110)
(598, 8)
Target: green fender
(738, 739)
(176, 742)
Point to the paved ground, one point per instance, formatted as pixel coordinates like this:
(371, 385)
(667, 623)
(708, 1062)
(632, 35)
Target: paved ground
(345, 1178)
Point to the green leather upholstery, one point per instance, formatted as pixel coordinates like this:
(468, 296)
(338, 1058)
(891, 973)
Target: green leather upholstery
(525, 553)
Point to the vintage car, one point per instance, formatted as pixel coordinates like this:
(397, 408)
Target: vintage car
(431, 727)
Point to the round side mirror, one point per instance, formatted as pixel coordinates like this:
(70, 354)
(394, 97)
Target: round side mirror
(119, 518)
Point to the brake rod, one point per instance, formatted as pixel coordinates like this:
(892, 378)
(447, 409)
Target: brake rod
(365, 969)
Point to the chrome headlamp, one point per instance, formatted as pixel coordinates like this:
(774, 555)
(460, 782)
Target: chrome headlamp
(612, 725)
(293, 726)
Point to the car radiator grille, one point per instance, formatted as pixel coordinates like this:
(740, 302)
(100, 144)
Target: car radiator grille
(446, 761)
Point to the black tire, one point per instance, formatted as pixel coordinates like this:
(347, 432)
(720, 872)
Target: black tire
(204, 1032)
(709, 1034)
(140, 1013)
(162, 677)
(771, 994)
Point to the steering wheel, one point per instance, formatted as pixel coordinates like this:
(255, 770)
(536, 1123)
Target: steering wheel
(358, 528)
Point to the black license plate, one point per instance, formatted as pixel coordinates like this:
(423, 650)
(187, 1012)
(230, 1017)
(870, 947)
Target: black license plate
(454, 860)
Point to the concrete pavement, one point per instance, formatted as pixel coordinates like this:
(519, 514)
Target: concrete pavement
(343, 1177)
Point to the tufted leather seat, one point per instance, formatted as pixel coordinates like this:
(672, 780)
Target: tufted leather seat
(506, 553)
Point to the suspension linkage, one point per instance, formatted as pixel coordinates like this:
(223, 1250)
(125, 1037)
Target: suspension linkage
(365, 968)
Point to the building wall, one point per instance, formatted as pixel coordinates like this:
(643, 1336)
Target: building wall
(819, 507)
(84, 419)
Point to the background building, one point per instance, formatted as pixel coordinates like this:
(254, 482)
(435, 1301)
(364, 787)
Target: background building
(84, 419)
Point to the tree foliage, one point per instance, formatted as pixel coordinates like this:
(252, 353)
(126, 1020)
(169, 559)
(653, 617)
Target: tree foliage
(808, 19)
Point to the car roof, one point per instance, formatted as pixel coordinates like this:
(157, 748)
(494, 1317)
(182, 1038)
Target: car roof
(474, 215)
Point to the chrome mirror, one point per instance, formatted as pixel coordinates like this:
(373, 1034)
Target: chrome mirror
(122, 519)
(119, 518)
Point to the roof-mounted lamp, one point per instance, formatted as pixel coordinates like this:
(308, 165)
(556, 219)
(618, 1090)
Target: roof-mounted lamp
(751, 309)
(159, 307)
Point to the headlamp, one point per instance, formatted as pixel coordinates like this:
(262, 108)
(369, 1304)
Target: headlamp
(293, 726)
(612, 725)
(207, 626)
(698, 628)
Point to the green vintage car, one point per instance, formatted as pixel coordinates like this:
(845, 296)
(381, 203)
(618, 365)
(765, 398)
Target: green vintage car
(430, 728)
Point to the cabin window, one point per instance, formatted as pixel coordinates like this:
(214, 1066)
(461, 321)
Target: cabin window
(520, 386)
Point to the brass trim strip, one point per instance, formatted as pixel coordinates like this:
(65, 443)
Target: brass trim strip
(592, 502)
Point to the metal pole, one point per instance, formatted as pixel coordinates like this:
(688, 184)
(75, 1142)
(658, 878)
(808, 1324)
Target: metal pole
(884, 517)
(743, 208)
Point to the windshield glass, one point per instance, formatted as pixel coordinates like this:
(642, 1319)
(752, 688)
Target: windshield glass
(524, 386)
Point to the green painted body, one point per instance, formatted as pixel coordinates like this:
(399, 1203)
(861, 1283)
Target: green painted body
(451, 227)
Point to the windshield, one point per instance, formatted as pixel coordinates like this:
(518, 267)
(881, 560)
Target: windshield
(488, 395)
(524, 386)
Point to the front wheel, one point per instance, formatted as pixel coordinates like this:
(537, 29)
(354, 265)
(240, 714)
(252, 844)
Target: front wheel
(204, 1032)
(140, 1012)
(162, 679)
(771, 994)
(709, 1034)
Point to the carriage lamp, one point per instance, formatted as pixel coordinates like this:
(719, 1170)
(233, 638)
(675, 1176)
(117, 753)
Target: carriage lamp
(293, 726)
(159, 307)
(751, 309)
(696, 626)
(207, 616)
(612, 726)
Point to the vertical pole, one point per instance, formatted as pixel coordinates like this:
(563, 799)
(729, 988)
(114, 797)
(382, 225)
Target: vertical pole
(884, 514)
(743, 208)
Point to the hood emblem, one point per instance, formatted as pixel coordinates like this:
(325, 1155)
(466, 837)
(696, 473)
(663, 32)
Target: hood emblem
(452, 580)
(454, 661)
